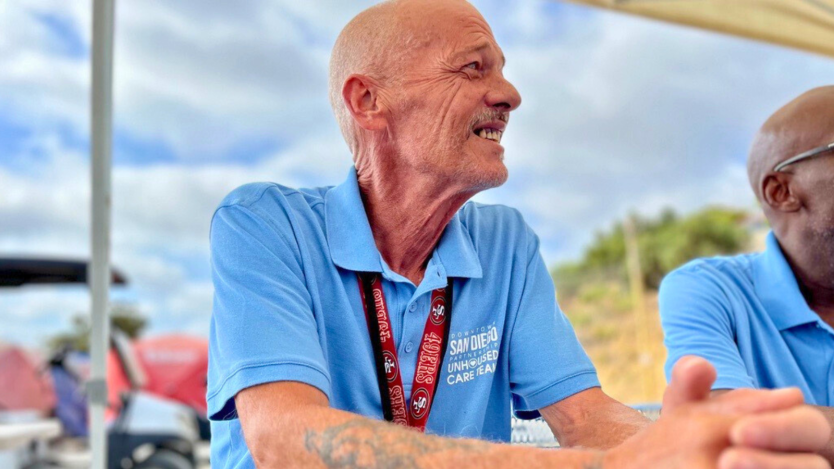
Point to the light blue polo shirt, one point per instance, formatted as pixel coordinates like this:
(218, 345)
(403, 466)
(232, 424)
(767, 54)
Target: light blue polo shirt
(287, 308)
(747, 316)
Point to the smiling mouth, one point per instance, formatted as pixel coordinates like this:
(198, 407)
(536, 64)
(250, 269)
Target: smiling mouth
(489, 134)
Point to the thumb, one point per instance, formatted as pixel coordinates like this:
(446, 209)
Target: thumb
(692, 378)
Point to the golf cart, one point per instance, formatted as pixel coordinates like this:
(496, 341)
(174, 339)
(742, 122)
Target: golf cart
(148, 432)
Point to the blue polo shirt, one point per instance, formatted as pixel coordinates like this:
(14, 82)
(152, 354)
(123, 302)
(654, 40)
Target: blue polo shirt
(287, 307)
(747, 316)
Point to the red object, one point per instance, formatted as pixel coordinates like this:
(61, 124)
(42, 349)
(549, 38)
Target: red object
(429, 356)
(22, 384)
(175, 367)
(117, 384)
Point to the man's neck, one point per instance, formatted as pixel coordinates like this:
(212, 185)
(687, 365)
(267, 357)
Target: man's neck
(816, 285)
(820, 299)
(407, 214)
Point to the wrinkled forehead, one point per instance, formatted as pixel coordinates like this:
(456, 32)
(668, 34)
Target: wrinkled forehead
(445, 27)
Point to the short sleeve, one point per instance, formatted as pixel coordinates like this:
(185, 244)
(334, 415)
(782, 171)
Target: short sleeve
(547, 362)
(262, 327)
(696, 320)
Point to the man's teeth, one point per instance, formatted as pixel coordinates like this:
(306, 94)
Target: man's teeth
(489, 134)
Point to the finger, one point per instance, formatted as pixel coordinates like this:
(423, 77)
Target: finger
(692, 378)
(746, 458)
(799, 429)
(747, 401)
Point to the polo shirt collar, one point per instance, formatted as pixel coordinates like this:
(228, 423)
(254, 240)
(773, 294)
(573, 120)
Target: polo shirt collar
(778, 290)
(456, 252)
(352, 245)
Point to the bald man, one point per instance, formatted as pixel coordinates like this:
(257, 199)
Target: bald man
(765, 320)
(362, 325)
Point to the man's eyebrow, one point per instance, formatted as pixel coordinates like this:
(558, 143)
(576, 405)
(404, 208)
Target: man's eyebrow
(478, 48)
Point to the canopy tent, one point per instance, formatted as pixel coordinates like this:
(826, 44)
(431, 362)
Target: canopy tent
(23, 385)
(176, 368)
(172, 366)
(802, 24)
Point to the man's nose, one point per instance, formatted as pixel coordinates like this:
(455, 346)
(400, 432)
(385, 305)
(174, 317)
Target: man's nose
(503, 95)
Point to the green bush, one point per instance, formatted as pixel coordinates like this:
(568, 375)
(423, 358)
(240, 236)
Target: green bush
(664, 243)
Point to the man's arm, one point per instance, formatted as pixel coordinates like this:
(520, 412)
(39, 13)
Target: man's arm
(289, 424)
(592, 419)
(697, 317)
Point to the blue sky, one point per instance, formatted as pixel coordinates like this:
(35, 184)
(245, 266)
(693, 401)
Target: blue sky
(619, 114)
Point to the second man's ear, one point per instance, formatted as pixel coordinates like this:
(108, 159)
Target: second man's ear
(779, 193)
(361, 96)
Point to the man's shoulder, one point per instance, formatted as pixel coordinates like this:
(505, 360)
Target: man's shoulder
(266, 208)
(258, 196)
(737, 266)
(719, 275)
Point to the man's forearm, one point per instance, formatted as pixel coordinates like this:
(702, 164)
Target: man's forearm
(328, 438)
(289, 424)
(607, 428)
(591, 419)
(364, 443)
(612, 425)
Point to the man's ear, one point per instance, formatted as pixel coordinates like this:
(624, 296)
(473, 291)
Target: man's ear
(361, 96)
(779, 193)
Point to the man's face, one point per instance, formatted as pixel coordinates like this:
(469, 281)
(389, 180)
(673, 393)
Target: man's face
(453, 103)
(816, 178)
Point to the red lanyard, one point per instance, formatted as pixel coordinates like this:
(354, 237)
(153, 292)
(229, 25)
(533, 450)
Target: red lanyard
(429, 356)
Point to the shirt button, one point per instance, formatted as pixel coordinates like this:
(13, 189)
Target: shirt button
(438, 274)
(412, 307)
(408, 347)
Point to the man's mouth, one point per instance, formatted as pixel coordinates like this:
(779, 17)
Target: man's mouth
(489, 133)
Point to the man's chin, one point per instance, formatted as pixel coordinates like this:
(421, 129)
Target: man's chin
(486, 175)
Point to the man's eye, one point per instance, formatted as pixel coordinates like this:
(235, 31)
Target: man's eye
(473, 65)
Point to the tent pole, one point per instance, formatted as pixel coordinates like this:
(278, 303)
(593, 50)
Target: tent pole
(99, 271)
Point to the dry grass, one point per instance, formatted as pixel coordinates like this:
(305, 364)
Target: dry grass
(604, 320)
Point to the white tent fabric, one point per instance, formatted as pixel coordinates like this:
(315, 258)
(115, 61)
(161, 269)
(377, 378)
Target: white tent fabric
(801, 24)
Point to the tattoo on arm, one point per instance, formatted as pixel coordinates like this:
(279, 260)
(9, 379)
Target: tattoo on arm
(366, 444)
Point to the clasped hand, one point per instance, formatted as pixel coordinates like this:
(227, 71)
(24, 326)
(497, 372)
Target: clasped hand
(742, 429)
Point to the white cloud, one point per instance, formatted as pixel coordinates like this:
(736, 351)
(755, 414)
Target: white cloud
(623, 114)
(32, 314)
(203, 79)
(160, 223)
(45, 209)
(40, 84)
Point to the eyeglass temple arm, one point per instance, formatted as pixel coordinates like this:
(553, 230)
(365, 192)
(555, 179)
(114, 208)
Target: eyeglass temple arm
(802, 156)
